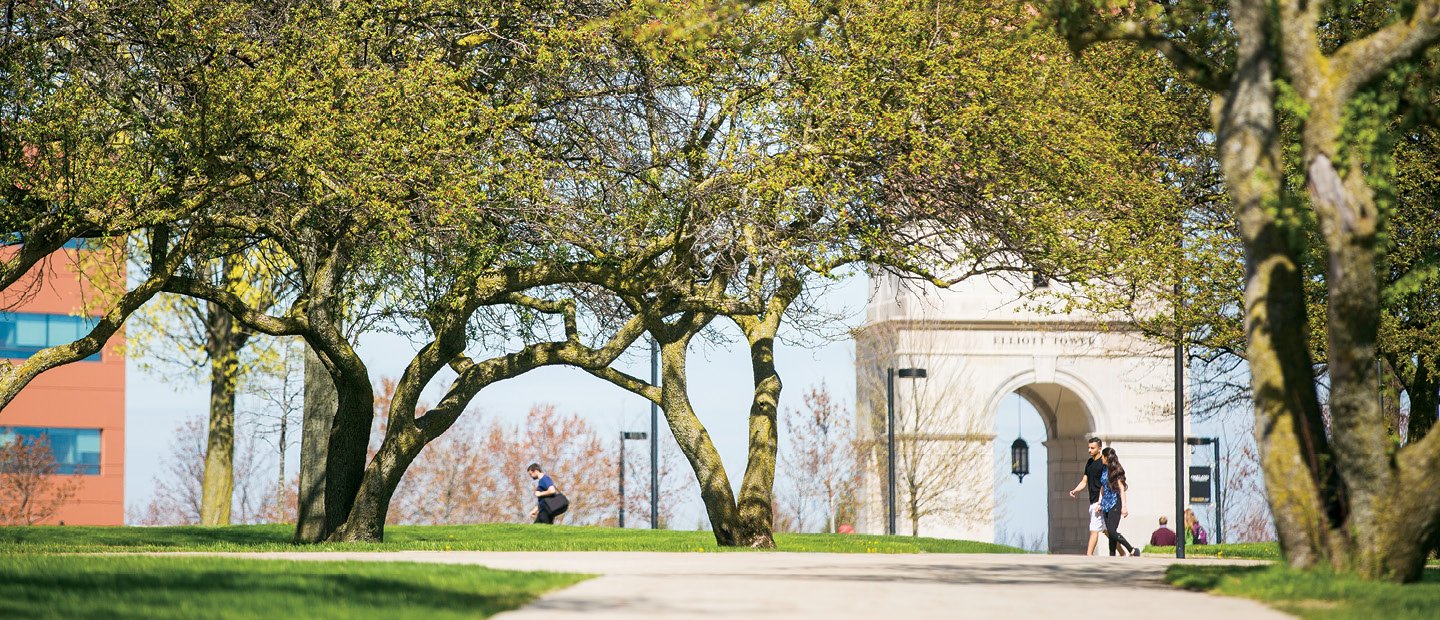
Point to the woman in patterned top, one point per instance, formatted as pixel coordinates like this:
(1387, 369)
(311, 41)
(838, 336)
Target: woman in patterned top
(1113, 502)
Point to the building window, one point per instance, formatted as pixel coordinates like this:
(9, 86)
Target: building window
(1039, 281)
(77, 243)
(23, 334)
(76, 450)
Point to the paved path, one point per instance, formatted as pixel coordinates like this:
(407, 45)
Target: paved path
(717, 586)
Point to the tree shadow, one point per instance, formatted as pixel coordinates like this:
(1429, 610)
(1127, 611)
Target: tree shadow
(147, 590)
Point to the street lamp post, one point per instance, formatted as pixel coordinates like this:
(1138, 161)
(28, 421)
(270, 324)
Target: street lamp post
(623, 436)
(1179, 440)
(905, 373)
(1179, 396)
(1214, 443)
(654, 438)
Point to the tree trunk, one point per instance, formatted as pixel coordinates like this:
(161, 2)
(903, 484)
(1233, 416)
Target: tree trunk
(695, 444)
(218, 483)
(366, 521)
(280, 468)
(757, 488)
(1288, 426)
(318, 416)
(1424, 393)
(1357, 425)
(348, 447)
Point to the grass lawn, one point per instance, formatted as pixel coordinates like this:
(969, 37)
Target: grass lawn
(1239, 551)
(489, 537)
(1316, 595)
(158, 588)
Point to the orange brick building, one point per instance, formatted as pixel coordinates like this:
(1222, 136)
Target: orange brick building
(79, 408)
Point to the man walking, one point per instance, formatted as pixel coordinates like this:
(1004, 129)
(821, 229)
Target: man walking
(1091, 480)
(550, 503)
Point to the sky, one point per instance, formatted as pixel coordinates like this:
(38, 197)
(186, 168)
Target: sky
(720, 384)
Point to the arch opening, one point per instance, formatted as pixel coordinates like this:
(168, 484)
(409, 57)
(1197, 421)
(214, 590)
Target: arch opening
(1056, 422)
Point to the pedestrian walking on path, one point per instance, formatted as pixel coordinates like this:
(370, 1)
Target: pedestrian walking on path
(550, 502)
(1112, 501)
(1090, 480)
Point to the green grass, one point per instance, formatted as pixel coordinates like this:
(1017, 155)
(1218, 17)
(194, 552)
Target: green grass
(1315, 595)
(490, 537)
(158, 588)
(1238, 551)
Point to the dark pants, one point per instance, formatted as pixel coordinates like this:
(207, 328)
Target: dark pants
(1112, 531)
(544, 516)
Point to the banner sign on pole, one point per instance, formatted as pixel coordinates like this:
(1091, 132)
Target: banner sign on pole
(1199, 485)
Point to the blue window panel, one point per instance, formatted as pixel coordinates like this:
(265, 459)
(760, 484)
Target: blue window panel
(15, 238)
(23, 334)
(31, 330)
(76, 450)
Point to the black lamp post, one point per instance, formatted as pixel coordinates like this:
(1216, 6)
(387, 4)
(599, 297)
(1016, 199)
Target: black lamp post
(623, 436)
(655, 435)
(905, 373)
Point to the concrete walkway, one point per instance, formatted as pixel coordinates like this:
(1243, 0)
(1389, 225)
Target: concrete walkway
(716, 586)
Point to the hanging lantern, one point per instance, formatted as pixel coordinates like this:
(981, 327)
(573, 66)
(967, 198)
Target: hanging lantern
(1020, 459)
(1019, 451)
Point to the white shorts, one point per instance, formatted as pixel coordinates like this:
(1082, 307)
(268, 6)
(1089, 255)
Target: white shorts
(1097, 518)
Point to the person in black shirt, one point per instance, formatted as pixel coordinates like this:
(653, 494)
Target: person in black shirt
(1091, 480)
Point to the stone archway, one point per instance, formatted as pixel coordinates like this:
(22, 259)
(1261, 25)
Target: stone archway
(1068, 427)
(1085, 379)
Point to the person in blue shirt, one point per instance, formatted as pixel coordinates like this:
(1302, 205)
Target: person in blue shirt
(550, 503)
(1113, 502)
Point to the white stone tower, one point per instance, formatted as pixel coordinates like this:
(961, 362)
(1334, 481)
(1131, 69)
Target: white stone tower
(979, 342)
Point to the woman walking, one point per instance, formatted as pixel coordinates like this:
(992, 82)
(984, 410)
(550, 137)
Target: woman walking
(1112, 501)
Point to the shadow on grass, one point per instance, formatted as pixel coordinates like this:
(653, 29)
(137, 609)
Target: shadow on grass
(151, 588)
(1316, 594)
(484, 537)
(1206, 578)
(152, 537)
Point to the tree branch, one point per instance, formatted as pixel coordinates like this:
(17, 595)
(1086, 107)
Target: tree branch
(14, 379)
(1360, 61)
(288, 325)
(1193, 66)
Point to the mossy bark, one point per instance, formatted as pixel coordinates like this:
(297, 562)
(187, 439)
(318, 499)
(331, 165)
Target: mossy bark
(406, 434)
(756, 507)
(1289, 432)
(318, 416)
(694, 440)
(218, 481)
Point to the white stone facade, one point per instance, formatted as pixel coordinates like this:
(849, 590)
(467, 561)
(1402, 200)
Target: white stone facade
(978, 343)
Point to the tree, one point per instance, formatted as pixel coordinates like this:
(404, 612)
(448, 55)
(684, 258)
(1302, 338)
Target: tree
(31, 488)
(820, 463)
(189, 334)
(942, 447)
(178, 497)
(422, 242)
(101, 142)
(476, 473)
(801, 139)
(277, 392)
(1299, 97)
